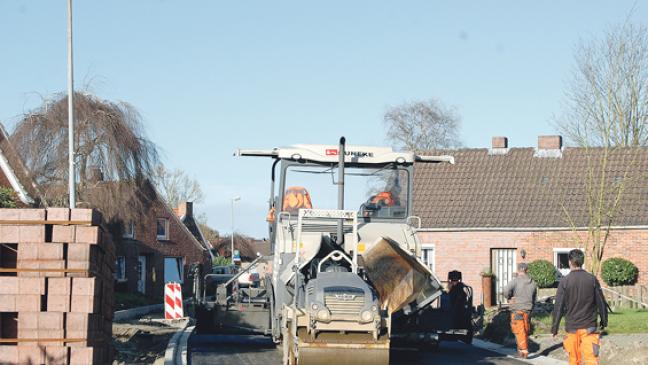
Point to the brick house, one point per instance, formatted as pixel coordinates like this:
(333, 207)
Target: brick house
(500, 206)
(159, 249)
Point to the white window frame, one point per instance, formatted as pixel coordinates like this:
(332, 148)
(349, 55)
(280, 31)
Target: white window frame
(120, 270)
(181, 267)
(428, 246)
(559, 250)
(129, 233)
(164, 237)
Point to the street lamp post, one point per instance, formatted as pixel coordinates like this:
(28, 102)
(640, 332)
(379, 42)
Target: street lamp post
(234, 199)
(70, 79)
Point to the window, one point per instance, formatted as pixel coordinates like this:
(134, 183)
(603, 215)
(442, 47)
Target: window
(120, 268)
(561, 260)
(378, 192)
(427, 255)
(162, 229)
(129, 230)
(173, 269)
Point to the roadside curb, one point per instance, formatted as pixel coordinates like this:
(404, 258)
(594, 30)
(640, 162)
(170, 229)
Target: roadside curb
(125, 314)
(181, 354)
(509, 352)
(176, 351)
(136, 312)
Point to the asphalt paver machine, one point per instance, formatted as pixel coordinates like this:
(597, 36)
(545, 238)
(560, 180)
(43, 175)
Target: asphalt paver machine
(345, 279)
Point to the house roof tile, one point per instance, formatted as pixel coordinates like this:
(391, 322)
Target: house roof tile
(518, 189)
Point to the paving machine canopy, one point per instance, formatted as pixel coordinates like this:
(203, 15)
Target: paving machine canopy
(353, 154)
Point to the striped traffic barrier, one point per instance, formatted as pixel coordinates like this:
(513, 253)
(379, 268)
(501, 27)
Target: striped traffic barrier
(173, 301)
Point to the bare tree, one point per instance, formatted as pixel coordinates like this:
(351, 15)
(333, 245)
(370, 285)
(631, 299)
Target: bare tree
(114, 159)
(175, 186)
(608, 174)
(606, 113)
(422, 126)
(606, 102)
(212, 235)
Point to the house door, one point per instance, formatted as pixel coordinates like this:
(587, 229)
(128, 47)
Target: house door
(141, 274)
(503, 265)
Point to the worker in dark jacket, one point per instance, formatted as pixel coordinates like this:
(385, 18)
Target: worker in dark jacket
(460, 300)
(580, 299)
(521, 293)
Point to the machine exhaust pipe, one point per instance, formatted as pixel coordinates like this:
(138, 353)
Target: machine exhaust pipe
(340, 205)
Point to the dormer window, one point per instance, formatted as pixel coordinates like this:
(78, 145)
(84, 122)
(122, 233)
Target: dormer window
(162, 229)
(129, 230)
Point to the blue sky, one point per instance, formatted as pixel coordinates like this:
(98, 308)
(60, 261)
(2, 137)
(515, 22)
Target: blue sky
(211, 76)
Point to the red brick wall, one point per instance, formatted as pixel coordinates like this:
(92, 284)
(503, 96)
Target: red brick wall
(3, 180)
(469, 252)
(180, 244)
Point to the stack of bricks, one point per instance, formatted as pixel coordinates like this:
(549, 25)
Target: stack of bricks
(56, 287)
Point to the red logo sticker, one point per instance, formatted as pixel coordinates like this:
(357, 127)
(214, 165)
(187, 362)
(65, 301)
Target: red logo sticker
(331, 152)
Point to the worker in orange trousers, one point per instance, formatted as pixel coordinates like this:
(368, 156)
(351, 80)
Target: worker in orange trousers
(521, 293)
(580, 299)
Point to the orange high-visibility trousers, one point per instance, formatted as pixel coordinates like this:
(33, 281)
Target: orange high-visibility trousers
(583, 345)
(521, 327)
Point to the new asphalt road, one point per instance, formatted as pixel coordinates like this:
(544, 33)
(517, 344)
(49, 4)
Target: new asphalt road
(251, 350)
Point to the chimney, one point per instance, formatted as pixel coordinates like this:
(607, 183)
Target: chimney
(549, 146)
(549, 142)
(499, 146)
(185, 209)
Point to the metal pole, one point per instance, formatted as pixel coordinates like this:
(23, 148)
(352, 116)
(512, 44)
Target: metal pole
(234, 199)
(232, 249)
(71, 170)
(342, 155)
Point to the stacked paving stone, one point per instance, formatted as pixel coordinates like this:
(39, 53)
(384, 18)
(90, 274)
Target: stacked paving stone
(56, 287)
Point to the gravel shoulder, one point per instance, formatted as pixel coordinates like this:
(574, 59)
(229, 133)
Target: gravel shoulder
(142, 341)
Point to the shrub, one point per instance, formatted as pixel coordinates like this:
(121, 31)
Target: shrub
(7, 198)
(221, 261)
(543, 273)
(617, 271)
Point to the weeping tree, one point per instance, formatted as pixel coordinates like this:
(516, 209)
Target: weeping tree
(114, 159)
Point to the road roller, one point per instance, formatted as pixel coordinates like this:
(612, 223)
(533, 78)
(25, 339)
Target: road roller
(345, 274)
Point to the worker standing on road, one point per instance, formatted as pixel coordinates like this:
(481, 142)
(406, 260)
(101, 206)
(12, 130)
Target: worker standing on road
(580, 299)
(521, 293)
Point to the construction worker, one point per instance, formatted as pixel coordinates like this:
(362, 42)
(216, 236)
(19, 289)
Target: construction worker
(460, 297)
(579, 298)
(521, 293)
(295, 198)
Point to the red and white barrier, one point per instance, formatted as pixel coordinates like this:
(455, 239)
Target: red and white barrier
(173, 301)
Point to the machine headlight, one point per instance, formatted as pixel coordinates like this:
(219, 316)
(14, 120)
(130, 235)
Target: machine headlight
(366, 316)
(374, 308)
(323, 315)
(314, 306)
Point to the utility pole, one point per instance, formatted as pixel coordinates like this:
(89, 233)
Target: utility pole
(70, 86)
(234, 199)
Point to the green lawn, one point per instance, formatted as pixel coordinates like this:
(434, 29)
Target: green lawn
(622, 321)
(131, 300)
